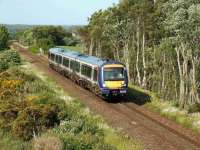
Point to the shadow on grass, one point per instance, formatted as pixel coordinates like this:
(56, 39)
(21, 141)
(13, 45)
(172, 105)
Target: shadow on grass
(138, 97)
(135, 96)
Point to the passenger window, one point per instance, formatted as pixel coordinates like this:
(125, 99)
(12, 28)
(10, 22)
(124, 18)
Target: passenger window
(86, 71)
(95, 75)
(66, 62)
(52, 57)
(75, 66)
(71, 64)
(59, 59)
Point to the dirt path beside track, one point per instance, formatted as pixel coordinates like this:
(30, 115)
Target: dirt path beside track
(152, 130)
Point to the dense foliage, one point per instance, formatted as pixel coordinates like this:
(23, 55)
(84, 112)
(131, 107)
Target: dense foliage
(4, 37)
(158, 40)
(9, 58)
(45, 37)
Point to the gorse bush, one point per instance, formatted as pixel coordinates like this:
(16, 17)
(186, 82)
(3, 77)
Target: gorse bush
(12, 57)
(18, 83)
(33, 107)
(25, 107)
(8, 88)
(3, 65)
(9, 58)
(33, 120)
(25, 119)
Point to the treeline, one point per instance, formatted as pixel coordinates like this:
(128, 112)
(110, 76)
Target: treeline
(45, 37)
(158, 40)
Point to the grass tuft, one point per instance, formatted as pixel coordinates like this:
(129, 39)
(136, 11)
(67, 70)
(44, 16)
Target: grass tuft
(120, 141)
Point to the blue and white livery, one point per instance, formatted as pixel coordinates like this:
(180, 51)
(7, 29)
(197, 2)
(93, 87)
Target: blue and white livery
(101, 76)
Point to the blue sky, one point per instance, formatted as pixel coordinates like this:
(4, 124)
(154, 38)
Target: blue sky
(55, 12)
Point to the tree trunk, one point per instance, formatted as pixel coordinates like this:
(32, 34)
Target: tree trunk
(194, 85)
(115, 50)
(144, 62)
(138, 52)
(91, 46)
(98, 49)
(163, 75)
(182, 82)
(126, 58)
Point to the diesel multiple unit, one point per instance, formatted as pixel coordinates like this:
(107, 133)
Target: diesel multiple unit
(101, 76)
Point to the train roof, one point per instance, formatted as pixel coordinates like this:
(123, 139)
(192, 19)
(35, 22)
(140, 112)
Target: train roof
(81, 57)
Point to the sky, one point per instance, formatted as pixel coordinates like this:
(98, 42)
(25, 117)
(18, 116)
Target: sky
(51, 12)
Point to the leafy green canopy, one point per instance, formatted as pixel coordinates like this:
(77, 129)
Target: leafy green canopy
(4, 37)
(45, 37)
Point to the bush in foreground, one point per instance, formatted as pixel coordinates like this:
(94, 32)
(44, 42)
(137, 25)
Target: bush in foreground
(12, 57)
(31, 121)
(25, 107)
(3, 65)
(9, 58)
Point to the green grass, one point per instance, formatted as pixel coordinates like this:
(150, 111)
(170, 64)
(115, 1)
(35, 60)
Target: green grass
(7, 142)
(121, 142)
(34, 50)
(74, 48)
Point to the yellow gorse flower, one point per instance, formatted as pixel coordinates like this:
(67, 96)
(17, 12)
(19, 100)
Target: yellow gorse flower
(31, 98)
(9, 85)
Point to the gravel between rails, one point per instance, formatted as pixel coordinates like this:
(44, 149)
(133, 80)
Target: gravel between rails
(150, 129)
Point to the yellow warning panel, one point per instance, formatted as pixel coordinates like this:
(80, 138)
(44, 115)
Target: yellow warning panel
(114, 84)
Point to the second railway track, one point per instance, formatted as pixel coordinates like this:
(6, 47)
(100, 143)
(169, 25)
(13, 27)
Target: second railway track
(153, 131)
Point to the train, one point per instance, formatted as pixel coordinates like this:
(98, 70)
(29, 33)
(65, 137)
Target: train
(103, 77)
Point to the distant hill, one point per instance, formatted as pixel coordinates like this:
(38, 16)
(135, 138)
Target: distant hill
(17, 27)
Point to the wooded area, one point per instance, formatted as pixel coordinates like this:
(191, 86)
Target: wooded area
(158, 40)
(45, 37)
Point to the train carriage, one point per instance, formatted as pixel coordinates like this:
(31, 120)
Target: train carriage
(102, 76)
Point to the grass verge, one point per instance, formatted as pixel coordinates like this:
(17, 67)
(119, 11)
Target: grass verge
(167, 109)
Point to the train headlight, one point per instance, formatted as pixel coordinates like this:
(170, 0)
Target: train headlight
(104, 85)
(124, 85)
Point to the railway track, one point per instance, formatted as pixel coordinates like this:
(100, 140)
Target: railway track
(152, 130)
